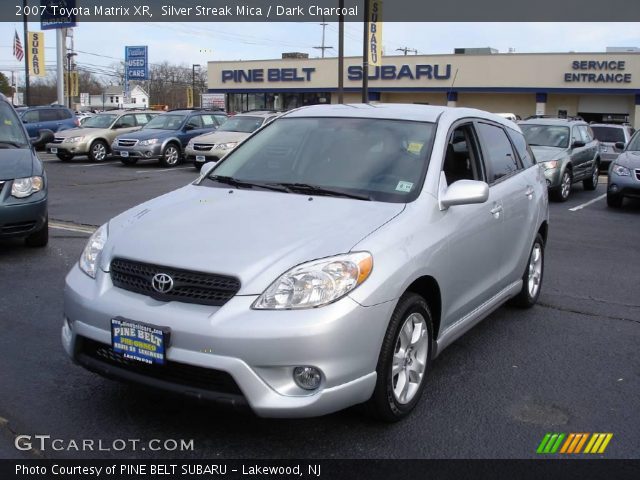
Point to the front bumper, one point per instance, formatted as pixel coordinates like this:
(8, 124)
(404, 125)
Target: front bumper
(553, 176)
(138, 152)
(258, 349)
(628, 185)
(199, 158)
(21, 217)
(80, 148)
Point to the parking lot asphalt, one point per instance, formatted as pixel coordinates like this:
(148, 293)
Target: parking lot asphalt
(570, 364)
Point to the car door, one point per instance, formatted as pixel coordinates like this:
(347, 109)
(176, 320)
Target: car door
(125, 124)
(474, 231)
(31, 120)
(591, 148)
(191, 129)
(579, 155)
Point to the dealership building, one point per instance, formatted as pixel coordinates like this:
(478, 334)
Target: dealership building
(596, 86)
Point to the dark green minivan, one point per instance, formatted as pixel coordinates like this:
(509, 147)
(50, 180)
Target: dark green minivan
(23, 182)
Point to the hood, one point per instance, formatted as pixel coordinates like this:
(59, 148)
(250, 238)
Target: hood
(545, 154)
(252, 235)
(221, 137)
(629, 159)
(15, 163)
(77, 132)
(147, 133)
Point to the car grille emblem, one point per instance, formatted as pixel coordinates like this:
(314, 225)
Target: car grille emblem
(162, 283)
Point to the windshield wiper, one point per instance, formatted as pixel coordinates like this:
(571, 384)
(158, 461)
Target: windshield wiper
(234, 182)
(317, 190)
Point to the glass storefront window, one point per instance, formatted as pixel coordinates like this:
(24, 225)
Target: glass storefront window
(241, 102)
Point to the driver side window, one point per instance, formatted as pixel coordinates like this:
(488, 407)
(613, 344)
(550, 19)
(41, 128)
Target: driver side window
(461, 159)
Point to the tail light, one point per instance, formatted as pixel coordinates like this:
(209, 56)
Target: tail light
(77, 122)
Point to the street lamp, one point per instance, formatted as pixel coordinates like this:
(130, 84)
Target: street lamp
(193, 82)
(69, 55)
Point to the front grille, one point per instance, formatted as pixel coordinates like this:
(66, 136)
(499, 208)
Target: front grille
(17, 228)
(638, 173)
(188, 286)
(173, 372)
(123, 142)
(203, 147)
(58, 139)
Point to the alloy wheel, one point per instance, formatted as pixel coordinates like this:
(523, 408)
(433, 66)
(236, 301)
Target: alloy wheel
(565, 186)
(535, 270)
(99, 152)
(410, 358)
(171, 155)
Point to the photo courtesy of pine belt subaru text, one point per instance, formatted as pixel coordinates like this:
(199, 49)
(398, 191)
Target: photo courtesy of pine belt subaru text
(166, 136)
(23, 182)
(323, 263)
(95, 135)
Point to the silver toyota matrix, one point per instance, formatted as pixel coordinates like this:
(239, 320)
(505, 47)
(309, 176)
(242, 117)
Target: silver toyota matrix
(321, 264)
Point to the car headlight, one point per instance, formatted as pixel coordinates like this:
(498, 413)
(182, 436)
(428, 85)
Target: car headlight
(24, 187)
(316, 283)
(73, 139)
(550, 165)
(190, 143)
(91, 254)
(621, 171)
(226, 146)
(150, 141)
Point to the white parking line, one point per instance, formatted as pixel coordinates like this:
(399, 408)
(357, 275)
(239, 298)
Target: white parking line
(580, 207)
(71, 227)
(162, 170)
(92, 164)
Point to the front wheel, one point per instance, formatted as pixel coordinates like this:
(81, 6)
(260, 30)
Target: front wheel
(170, 156)
(404, 359)
(532, 277)
(98, 151)
(561, 193)
(592, 182)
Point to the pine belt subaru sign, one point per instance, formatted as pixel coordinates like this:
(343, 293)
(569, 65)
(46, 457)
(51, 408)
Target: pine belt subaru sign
(55, 14)
(136, 62)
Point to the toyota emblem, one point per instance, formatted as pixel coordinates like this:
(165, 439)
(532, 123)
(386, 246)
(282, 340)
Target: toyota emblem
(162, 283)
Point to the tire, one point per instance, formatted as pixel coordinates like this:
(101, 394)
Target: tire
(561, 193)
(170, 155)
(614, 201)
(532, 277)
(392, 399)
(98, 151)
(64, 157)
(39, 238)
(591, 183)
(129, 161)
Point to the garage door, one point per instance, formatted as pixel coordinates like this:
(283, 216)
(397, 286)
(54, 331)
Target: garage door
(605, 104)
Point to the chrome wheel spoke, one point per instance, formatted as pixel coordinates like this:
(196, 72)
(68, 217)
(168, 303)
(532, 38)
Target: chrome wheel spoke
(410, 358)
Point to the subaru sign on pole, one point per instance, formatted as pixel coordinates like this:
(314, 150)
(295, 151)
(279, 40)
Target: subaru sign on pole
(50, 18)
(136, 65)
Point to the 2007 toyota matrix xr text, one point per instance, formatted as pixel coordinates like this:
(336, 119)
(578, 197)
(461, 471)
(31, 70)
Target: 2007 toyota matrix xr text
(323, 263)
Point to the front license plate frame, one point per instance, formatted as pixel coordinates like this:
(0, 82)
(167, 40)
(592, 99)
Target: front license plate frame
(124, 154)
(140, 341)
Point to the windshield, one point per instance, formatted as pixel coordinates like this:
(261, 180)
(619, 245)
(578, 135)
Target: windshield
(608, 134)
(383, 160)
(634, 143)
(11, 131)
(99, 121)
(165, 121)
(546, 135)
(241, 124)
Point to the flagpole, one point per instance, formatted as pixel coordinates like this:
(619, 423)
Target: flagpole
(26, 54)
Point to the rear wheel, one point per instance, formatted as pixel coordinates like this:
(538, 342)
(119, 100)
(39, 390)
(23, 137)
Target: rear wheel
(404, 359)
(561, 193)
(532, 277)
(129, 161)
(170, 155)
(592, 182)
(614, 200)
(65, 157)
(98, 151)
(39, 238)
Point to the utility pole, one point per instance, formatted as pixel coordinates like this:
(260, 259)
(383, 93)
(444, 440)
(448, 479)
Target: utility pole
(323, 48)
(193, 84)
(26, 54)
(406, 50)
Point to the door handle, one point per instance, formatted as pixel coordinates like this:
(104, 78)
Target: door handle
(496, 211)
(529, 192)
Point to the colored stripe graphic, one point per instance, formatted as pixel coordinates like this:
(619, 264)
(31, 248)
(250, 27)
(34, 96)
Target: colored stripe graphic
(574, 443)
(550, 443)
(598, 443)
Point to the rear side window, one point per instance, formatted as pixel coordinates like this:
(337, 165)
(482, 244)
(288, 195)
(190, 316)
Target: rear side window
(524, 152)
(31, 116)
(195, 122)
(48, 115)
(609, 134)
(142, 118)
(63, 114)
(498, 153)
(208, 121)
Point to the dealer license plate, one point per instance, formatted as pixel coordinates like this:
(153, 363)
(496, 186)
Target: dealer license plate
(200, 158)
(124, 154)
(54, 150)
(139, 341)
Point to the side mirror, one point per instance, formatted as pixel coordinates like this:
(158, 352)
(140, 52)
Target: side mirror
(44, 136)
(464, 192)
(578, 144)
(206, 168)
(620, 145)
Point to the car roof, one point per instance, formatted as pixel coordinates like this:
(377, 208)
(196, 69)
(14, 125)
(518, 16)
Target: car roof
(46, 106)
(258, 113)
(552, 121)
(611, 125)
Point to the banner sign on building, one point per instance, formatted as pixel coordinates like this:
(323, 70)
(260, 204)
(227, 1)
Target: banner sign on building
(57, 14)
(189, 97)
(212, 100)
(136, 62)
(375, 32)
(35, 52)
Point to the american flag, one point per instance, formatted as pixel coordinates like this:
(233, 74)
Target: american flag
(18, 52)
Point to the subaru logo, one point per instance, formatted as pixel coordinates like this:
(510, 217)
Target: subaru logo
(162, 283)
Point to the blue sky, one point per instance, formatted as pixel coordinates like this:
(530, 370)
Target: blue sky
(102, 44)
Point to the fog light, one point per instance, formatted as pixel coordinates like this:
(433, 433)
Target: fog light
(148, 154)
(307, 377)
(613, 187)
